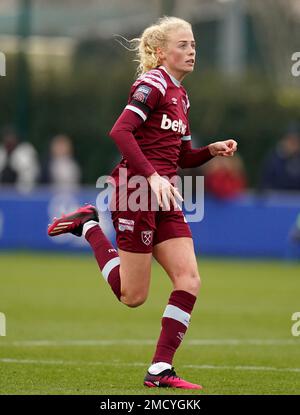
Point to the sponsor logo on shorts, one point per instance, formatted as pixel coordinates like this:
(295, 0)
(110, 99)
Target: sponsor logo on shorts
(146, 237)
(126, 221)
(126, 224)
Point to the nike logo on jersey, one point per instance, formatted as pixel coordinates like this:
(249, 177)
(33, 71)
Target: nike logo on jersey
(176, 125)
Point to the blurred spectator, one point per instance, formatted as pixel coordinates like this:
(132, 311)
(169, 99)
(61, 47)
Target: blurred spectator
(293, 241)
(281, 168)
(19, 164)
(295, 231)
(225, 177)
(61, 169)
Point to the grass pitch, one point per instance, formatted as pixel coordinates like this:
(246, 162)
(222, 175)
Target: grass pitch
(67, 334)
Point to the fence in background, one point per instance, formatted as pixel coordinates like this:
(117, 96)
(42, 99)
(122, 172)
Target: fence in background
(251, 226)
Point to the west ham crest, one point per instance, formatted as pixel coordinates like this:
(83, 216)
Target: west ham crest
(146, 237)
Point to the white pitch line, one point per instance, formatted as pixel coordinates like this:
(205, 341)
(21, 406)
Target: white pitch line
(59, 343)
(145, 342)
(68, 362)
(119, 364)
(237, 342)
(254, 368)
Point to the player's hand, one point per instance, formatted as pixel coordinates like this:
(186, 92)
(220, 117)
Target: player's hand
(164, 191)
(225, 148)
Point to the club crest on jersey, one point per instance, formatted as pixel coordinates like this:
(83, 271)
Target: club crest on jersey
(174, 101)
(184, 106)
(176, 125)
(142, 93)
(146, 237)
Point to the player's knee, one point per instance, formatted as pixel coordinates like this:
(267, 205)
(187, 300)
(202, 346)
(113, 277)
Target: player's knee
(194, 283)
(133, 300)
(197, 282)
(189, 282)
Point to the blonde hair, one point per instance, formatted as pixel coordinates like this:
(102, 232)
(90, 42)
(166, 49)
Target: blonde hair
(153, 37)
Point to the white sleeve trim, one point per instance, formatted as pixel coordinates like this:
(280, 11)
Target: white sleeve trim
(186, 138)
(157, 84)
(137, 111)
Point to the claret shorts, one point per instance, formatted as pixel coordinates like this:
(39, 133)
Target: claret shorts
(138, 231)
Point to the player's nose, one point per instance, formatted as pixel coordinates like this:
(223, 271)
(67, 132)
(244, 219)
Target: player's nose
(191, 52)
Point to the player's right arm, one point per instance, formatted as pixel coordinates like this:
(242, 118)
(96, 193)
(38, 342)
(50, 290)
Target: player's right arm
(144, 99)
(122, 134)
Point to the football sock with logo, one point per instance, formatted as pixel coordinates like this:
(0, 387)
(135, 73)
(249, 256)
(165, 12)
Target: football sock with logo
(106, 255)
(175, 323)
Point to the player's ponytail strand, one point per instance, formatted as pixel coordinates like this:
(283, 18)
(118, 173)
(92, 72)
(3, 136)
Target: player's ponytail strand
(153, 37)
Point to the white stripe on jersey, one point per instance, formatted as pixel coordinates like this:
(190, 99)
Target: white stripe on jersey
(173, 79)
(157, 78)
(186, 138)
(157, 72)
(137, 111)
(150, 81)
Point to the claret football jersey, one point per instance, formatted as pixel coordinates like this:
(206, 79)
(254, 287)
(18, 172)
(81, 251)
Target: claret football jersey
(163, 104)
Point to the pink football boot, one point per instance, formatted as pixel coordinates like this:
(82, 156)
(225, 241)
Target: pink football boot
(74, 221)
(168, 379)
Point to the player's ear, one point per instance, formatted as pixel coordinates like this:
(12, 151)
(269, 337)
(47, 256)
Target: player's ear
(160, 53)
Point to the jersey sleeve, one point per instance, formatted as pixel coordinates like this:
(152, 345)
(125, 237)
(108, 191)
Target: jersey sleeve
(187, 135)
(145, 97)
(189, 157)
(122, 134)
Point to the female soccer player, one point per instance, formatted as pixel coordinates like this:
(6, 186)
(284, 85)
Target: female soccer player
(153, 136)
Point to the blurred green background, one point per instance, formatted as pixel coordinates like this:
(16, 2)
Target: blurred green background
(66, 73)
(67, 333)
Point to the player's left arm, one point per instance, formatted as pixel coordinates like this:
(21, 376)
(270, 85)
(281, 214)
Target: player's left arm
(189, 157)
(225, 148)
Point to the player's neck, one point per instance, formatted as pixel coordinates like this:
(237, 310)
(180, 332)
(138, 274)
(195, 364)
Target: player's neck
(176, 77)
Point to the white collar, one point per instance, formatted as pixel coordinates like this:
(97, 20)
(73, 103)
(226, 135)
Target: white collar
(173, 79)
